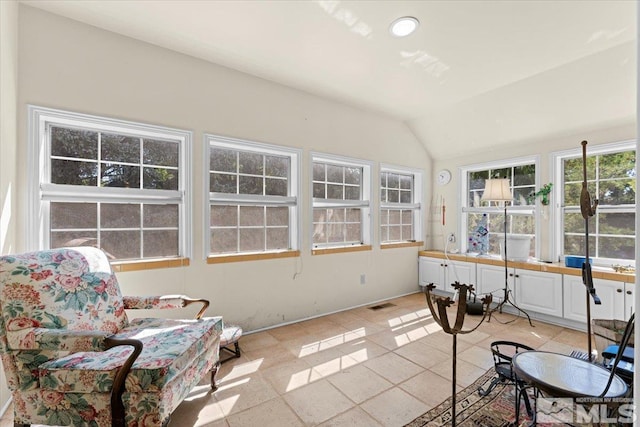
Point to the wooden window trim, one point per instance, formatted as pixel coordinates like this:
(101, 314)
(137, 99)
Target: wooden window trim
(328, 251)
(400, 245)
(221, 259)
(123, 266)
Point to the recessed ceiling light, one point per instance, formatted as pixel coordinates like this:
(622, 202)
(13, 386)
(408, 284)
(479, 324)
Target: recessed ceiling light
(404, 26)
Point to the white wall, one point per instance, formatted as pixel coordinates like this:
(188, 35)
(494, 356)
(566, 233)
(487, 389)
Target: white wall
(8, 138)
(68, 65)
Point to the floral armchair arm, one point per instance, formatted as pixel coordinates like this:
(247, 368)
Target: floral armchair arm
(164, 302)
(56, 339)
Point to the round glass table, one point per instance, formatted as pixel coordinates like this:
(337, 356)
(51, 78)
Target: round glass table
(559, 375)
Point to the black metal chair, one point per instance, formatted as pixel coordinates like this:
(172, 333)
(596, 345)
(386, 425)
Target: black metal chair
(503, 352)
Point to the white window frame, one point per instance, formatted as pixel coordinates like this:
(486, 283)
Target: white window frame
(498, 210)
(292, 200)
(557, 159)
(415, 206)
(364, 203)
(42, 191)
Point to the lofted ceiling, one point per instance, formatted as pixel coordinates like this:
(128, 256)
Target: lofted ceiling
(476, 75)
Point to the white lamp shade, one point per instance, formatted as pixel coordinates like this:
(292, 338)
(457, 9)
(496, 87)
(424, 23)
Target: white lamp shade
(497, 190)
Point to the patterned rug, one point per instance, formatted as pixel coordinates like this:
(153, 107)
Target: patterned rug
(494, 410)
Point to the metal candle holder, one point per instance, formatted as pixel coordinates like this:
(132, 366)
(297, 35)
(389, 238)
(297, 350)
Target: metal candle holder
(441, 317)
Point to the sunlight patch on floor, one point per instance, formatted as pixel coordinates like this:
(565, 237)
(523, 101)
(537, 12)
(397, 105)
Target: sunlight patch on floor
(242, 370)
(230, 385)
(226, 405)
(300, 379)
(198, 392)
(325, 344)
(334, 365)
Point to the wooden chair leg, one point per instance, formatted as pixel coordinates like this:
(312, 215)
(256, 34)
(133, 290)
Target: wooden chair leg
(214, 372)
(237, 348)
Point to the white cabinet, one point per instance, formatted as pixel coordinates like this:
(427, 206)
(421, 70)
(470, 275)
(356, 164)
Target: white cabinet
(442, 272)
(629, 302)
(533, 291)
(491, 279)
(538, 291)
(561, 296)
(611, 293)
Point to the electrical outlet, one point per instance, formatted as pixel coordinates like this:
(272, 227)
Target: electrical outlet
(451, 238)
(363, 279)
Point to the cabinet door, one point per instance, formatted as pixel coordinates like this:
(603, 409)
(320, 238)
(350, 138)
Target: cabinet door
(431, 270)
(610, 292)
(539, 291)
(463, 272)
(629, 301)
(491, 279)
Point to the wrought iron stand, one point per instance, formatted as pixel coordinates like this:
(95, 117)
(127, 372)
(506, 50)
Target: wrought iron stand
(441, 317)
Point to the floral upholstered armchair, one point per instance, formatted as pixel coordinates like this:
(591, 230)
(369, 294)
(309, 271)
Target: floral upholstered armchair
(72, 356)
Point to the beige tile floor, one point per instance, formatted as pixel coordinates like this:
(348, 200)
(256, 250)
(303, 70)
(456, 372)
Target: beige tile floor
(355, 368)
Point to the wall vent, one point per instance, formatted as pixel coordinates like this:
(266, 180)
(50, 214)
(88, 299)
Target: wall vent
(381, 306)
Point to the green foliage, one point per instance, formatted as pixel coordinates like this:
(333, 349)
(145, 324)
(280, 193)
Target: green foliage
(543, 193)
(611, 180)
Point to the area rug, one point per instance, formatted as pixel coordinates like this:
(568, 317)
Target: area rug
(494, 410)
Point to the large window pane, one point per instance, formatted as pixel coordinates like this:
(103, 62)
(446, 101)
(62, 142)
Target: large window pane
(611, 180)
(117, 175)
(617, 247)
(224, 240)
(619, 223)
(257, 218)
(76, 143)
(160, 153)
(276, 166)
(252, 240)
(278, 216)
(161, 216)
(121, 244)
(88, 154)
(222, 160)
(224, 216)
(275, 187)
(397, 224)
(251, 216)
(250, 185)
(120, 148)
(160, 179)
(118, 215)
(521, 219)
(251, 163)
(60, 239)
(72, 172)
(277, 238)
(222, 183)
(160, 243)
(73, 215)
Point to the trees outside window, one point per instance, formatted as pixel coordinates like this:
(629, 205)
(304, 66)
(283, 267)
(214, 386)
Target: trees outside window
(253, 197)
(611, 178)
(117, 185)
(400, 205)
(341, 190)
(521, 211)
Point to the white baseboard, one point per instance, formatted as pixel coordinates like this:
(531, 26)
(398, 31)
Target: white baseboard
(331, 312)
(6, 406)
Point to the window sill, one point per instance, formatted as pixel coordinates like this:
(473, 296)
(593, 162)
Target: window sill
(400, 245)
(341, 250)
(220, 259)
(123, 266)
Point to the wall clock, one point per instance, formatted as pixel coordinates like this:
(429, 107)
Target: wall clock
(444, 176)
